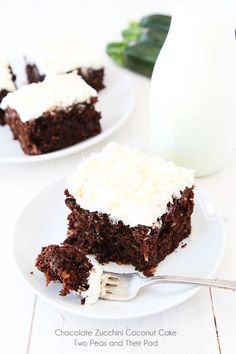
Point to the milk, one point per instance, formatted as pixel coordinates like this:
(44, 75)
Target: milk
(193, 88)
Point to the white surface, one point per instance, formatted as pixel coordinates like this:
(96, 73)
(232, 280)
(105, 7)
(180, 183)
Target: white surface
(55, 92)
(28, 323)
(115, 103)
(128, 185)
(193, 106)
(48, 224)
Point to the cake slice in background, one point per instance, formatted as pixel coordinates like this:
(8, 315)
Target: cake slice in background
(56, 55)
(7, 83)
(69, 266)
(128, 207)
(53, 114)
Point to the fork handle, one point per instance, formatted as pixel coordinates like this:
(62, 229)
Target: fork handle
(172, 279)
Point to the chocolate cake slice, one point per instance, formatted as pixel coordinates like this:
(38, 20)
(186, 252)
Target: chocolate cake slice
(53, 114)
(7, 84)
(69, 266)
(128, 207)
(63, 55)
(93, 77)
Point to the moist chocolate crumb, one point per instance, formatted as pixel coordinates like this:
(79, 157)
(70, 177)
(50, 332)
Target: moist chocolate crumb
(55, 129)
(142, 246)
(65, 264)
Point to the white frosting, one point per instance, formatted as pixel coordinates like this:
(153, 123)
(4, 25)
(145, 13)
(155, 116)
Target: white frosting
(65, 53)
(127, 184)
(60, 91)
(5, 76)
(94, 281)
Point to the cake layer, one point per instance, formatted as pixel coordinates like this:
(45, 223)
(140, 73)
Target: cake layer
(130, 186)
(60, 91)
(55, 129)
(93, 77)
(142, 246)
(129, 207)
(70, 266)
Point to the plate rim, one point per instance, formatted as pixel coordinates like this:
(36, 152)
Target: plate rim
(87, 143)
(181, 298)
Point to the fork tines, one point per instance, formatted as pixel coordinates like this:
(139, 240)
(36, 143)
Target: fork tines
(109, 283)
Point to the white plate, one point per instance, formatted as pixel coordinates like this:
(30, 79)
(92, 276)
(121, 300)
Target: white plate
(115, 103)
(43, 222)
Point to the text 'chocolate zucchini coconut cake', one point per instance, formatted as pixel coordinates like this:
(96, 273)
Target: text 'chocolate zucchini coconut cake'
(127, 207)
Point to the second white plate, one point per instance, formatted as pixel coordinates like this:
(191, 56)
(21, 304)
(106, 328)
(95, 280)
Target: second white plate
(44, 222)
(115, 103)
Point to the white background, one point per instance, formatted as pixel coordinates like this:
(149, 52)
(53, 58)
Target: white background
(206, 324)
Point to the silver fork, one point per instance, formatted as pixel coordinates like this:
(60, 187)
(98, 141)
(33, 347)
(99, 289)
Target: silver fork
(123, 287)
